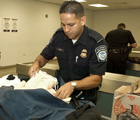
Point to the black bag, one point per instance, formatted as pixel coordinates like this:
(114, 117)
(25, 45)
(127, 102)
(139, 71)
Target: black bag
(86, 112)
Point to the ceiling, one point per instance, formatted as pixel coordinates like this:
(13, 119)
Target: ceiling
(113, 4)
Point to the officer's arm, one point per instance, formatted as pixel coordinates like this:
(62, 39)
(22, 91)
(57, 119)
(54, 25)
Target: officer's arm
(39, 62)
(92, 81)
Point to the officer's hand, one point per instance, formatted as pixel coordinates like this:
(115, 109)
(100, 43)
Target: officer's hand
(33, 70)
(64, 91)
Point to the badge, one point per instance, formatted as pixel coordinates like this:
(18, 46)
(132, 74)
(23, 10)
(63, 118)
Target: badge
(101, 53)
(83, 53)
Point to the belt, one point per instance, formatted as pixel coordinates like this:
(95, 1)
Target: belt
(119, 51)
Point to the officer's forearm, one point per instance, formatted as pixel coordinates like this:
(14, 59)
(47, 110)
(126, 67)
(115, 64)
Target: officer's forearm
(41, 61)
(92, 81)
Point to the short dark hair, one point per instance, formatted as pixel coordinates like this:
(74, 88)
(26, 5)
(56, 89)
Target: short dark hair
(121, 25)
(72, 7)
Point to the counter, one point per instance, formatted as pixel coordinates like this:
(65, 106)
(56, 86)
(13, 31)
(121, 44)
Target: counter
(110, 83)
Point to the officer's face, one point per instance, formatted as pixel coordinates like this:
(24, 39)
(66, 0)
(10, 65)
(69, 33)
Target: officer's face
(72, 26)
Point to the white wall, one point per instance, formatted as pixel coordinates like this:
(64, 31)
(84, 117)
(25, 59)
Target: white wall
(105, 21)
(34, 30)
(89, 18)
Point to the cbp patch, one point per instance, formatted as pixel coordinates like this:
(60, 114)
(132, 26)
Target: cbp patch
(101, 53)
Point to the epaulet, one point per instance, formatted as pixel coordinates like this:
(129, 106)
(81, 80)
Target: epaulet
(95, 35)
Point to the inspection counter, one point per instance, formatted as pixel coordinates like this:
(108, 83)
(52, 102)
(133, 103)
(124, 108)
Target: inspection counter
(133, 65)
(110, 83)
(135, 52)
(23, 68)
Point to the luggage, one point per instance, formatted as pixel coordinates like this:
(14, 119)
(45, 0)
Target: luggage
(86, 111)
(39, 104)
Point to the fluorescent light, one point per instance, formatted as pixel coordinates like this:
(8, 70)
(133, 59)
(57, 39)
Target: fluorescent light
(81, 0)
(98, 5)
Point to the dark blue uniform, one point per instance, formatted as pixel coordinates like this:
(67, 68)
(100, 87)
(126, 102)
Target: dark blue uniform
(118, 40)
(77, 61)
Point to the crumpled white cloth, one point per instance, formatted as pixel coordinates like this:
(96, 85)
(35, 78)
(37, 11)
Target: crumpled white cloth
(42, 80)
(15, 82)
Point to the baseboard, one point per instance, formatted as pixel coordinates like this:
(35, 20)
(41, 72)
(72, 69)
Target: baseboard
(5, 67)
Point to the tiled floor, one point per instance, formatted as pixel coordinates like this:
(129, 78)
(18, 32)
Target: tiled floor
(6, 71)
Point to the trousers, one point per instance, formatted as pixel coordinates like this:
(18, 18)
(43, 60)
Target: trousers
(117, 63)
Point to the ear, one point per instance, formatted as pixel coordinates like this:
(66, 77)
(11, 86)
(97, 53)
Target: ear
(83, 20)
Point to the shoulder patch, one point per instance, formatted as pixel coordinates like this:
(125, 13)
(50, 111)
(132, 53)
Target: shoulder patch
(101, 53)
(95, 35)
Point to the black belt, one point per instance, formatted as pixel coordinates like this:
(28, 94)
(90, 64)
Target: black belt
(119, 51)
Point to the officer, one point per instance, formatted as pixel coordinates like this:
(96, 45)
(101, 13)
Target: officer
(119, 50)
(81, 54)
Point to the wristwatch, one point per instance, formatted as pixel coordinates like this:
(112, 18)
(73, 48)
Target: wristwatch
(73, 84)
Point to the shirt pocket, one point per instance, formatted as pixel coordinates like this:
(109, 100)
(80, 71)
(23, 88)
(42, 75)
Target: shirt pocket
(82, 61)
(81, 67)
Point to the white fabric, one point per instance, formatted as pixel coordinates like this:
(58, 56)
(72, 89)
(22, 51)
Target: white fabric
(5, 82)
(41, 80)
(74, 41)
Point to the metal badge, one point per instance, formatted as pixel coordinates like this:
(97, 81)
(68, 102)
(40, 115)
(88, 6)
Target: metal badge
(83, 53)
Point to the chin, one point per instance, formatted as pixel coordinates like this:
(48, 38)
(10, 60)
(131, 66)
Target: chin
(70, 37)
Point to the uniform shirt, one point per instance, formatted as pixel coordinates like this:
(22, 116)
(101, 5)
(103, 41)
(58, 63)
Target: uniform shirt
(119, 38)
(76, 61)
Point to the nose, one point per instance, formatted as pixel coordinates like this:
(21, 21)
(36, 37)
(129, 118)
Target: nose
(66, 29)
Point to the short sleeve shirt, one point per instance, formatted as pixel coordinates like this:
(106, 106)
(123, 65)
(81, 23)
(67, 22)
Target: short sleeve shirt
(119, 38)
(77, 61)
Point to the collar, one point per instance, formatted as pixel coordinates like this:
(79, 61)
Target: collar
(121, 28)
(82, 38)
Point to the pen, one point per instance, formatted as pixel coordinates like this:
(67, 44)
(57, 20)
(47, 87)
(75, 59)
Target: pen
(76, 58)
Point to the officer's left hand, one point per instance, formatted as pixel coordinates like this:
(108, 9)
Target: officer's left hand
(64, 91)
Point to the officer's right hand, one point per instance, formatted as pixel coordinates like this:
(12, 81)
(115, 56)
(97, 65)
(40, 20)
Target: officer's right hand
(33, 70)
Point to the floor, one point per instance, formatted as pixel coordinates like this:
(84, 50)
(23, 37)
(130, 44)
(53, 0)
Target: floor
(7, 70)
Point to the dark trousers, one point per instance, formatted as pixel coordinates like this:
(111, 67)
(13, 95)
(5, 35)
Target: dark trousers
(117, 63)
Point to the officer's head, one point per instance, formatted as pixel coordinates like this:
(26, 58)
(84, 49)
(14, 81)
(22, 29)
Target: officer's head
(72, 18)
(121, 25)
(72, 7)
